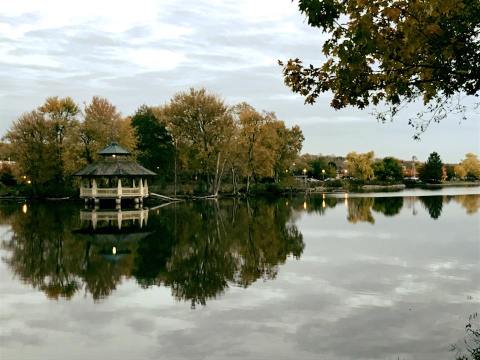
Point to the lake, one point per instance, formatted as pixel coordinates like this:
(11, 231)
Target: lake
(342, 276)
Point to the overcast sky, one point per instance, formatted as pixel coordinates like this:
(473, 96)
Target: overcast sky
(143, 51)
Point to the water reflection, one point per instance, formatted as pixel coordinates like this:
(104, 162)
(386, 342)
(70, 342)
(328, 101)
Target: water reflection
(469, 347)
(380, 280)
(196, 249)
(434, 205)
(359, 209)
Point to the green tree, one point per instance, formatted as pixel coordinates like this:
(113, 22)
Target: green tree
(432, 171)
(154, 144)
(393, 52)
(321, 169)
(389, 169)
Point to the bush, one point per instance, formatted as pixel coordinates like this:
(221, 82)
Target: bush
(336, 183)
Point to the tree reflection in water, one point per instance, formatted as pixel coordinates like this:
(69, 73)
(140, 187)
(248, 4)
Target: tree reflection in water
(197, 249)
(470, 203)
(433, 204)
(389, 206)
(469, 347)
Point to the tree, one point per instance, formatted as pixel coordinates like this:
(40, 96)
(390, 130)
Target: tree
(154, 143)
(360, 165)
(266, 145)
(469, 167)
(289, 144)
(389, 169)
(103, 124)
(432, 171)
(60, 113)
(450, 170)
(321, 169)
(255, 139)
(393, 52)
(32, 138)
(202, 126)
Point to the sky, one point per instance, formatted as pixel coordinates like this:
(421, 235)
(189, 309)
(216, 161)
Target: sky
(144, 51)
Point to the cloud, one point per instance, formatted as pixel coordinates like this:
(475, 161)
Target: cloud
(145, 51)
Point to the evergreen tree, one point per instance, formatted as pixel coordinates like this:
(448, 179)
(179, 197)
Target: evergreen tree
(154, 143)
(433, 169)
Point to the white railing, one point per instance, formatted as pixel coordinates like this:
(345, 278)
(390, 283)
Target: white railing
(113, 192)
(140, 215)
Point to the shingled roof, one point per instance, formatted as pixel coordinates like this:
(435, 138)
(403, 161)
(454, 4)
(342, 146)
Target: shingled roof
(113, 149)
(113, 165)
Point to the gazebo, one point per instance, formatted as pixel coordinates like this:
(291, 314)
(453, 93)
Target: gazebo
(115, 176)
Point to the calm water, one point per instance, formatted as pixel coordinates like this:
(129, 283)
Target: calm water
(330, 277)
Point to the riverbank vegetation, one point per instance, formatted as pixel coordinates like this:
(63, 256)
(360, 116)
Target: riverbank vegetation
(194, 139)
(198, 145)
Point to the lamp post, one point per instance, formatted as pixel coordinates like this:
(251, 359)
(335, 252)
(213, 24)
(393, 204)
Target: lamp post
(305, 176)
(323, 174)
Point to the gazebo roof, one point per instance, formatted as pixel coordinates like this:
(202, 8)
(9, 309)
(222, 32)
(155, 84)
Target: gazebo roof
(113, 165)
(113, 149)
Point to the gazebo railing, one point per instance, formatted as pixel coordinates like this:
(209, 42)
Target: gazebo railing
(113, 192)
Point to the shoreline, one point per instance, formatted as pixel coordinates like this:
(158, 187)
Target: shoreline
(361, 189)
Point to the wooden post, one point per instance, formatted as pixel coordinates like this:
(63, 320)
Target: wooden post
(119, 188)
(146, 188)
(119, 219)
(94, 220)
(94, 188)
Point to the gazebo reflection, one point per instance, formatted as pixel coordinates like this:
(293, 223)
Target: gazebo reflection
(114, 218)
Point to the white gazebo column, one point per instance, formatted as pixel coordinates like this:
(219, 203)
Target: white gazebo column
(141, 190)
(118, 200)
(119, 219)
(94, 219)
(94, 192)
(145, 188)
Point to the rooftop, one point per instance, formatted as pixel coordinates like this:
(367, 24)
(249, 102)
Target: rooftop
(111, 165)
(113, 149)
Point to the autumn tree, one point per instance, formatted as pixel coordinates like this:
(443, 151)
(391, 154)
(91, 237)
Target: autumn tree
(289, 144)
(253, 144)
(201, 125)
(267, 146)
(469, 167)
(360, 165)
(61, 115)
(392, 52)
(103, 124)
(432, 171)
(33, 140)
